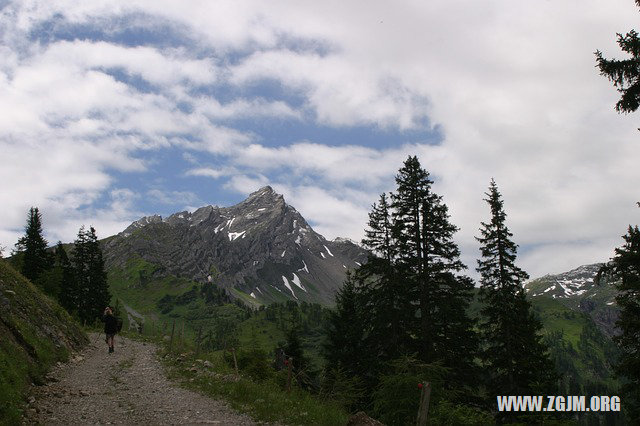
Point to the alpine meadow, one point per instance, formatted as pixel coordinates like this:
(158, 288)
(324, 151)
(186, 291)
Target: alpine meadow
(319, 213)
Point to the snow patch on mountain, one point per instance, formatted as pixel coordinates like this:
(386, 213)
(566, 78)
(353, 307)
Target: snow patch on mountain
(304, 268)
(236, 235)
(297, 282)
(287, 285)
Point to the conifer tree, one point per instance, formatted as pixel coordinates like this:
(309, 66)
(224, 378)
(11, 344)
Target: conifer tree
(91, 278)
(625, 73)
(513, 352)
(344, 346)
(382, 294)
(429, 261)
(626, 267)
(68, 288)
(293, 349)
(35, 259)
(378, 235)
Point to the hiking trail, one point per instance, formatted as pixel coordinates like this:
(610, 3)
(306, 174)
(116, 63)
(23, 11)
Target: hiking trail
(126, 387)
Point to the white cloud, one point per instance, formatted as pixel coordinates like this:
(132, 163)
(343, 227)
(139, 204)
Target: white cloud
(210, 172)
(245, 108)
(512, 86)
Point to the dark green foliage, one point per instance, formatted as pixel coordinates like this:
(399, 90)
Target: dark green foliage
(624, 74)
(214, 295)
(384, 293)
(294, 351)
(91, 279)
(256, 363)
(428, 260)
(58, 280)
(625, 265)
(345, 348)
(513, 353)
(353, 355)
(35, 259)
(225, 334)
(396, 399)
(346, 389)
(409, 297)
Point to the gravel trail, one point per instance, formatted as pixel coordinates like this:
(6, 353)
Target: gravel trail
(126, 387)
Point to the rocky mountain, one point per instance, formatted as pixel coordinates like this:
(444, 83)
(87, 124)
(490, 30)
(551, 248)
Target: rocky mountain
(578, 291)
(261, 250)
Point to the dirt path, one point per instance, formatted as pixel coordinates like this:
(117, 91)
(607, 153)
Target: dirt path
(126, 387)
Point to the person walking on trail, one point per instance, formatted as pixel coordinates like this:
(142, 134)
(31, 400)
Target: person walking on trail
(110, 327)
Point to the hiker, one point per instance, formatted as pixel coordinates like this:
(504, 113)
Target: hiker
(110, 327)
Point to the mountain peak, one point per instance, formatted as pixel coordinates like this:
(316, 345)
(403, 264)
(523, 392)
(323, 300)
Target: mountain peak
(264, 195)
(262, 250)
(265, 191)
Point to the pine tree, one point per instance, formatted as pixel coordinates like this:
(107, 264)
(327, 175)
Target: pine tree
(513, 352)
(293, 349)
(428, 259)
(35, 259)
(381, 291)
(378, 235)
(68, 295)
(344, 346)
(625, 74)
(91, 278)
(626, 267)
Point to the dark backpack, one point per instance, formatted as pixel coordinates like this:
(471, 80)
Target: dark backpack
(119, 324)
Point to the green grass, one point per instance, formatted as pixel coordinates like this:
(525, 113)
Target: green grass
(136, 285)
(30, 327)
(246, 298)
(557, 317)
(265, 401)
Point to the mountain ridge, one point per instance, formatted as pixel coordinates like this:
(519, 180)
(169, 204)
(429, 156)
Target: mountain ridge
(577, 289)
(261, 248)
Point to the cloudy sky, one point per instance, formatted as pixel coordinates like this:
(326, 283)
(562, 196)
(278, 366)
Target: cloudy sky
(114, 110)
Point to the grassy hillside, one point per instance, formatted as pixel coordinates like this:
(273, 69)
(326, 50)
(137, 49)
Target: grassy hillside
(204, 309)
(35, 332)
(582, 354)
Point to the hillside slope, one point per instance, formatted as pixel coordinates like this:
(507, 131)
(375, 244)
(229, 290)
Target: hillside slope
(579, 320)
(35, 332)
(578, 291)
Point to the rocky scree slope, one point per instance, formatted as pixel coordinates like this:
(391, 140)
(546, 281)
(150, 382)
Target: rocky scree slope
(35, 333)
(261, 250)
(578, 291)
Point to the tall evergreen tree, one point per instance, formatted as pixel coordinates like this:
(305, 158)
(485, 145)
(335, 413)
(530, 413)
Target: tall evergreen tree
(91, 278)
(429, 260)
(35, 259)
(382, 291)
(625, 266)
(513, 352)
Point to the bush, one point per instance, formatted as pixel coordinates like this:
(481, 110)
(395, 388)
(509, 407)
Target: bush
(347, 391)
(255, 363)
(397, 398)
